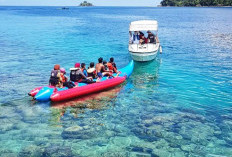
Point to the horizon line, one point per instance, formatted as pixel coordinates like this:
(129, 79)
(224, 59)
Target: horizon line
(72, 6)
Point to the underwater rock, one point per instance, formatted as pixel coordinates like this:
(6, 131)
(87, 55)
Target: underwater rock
(119, 129)
(148, 133)
(148, 151)
(30, 115)
(161, 119)
(115, 154)
(228, 139)
(21, 125)
(179, 153)
(188, 148)
(229, 117)
(200, 150)
(7, 153)
(31, 150)
(6, 125)
(174, 139)
(78, 132)
(228, 123)
(148, 122)
(57, 151)
(110, 133)
(140, 154)
(137, 149)
(161, 153)
(9, 112)
(121, 141)
(195, 117)
(72, 132)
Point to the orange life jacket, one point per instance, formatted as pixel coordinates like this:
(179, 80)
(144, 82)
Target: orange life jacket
(64, 79)
(110, 66)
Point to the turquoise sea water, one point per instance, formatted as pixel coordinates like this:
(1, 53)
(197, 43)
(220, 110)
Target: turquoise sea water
(177, 105)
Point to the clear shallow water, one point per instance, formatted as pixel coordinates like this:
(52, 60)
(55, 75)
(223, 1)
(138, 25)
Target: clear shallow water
(178, 105)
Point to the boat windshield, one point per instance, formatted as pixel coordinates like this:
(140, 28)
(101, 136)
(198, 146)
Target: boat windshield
(142, 37)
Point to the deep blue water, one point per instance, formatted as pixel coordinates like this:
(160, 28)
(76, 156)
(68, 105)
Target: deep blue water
(177, 105)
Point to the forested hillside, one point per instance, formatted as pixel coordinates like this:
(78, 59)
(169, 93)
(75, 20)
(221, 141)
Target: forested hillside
(196, 2)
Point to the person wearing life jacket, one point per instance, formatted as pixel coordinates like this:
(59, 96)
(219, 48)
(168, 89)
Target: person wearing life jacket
(76, 75)
(100, 69)
(112, 66)
(110, 72)
(55, 78)
(91, 71)
(62, 75)
(64, 78)
(83, 69)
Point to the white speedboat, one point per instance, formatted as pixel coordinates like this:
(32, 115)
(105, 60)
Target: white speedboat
(143, 48)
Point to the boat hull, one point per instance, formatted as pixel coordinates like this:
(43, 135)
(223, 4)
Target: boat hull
(84, 90)
(143, 53)
(143, 57)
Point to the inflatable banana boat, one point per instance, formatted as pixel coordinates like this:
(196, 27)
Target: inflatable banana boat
(51, 93)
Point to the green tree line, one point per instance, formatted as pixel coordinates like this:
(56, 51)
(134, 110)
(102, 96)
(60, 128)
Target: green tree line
(196, 3)
(85, 3)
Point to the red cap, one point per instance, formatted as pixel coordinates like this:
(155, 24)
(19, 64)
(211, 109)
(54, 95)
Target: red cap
(57, 67)
(77, 65)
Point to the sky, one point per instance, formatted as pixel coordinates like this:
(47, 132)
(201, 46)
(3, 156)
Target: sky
(77, 2)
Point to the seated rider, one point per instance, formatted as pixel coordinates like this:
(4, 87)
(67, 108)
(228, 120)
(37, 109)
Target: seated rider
(65, 81)
(91, 71)
(141, 34)
(112, 66)
(83, 69)
(76, 75)
(135, 39)
(55, 79)
(110, 73)
(151, 37)
(143, 40)
(105, 65)
(100, 69)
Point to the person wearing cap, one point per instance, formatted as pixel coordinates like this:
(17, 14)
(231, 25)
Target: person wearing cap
(152, 38)
(76, 75)
(64, 78)
(55, 79)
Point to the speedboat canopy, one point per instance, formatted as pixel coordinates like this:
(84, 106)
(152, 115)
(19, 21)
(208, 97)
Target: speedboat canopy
(144, 25)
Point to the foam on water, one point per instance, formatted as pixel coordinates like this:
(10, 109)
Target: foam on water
(177, 105)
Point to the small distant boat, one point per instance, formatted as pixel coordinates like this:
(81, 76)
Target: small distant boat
(65, 8)
(146, 51)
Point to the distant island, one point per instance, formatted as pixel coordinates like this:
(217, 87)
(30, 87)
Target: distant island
(86, 4)
(196, 3)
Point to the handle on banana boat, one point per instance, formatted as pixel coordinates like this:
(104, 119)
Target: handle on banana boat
(160, 48)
